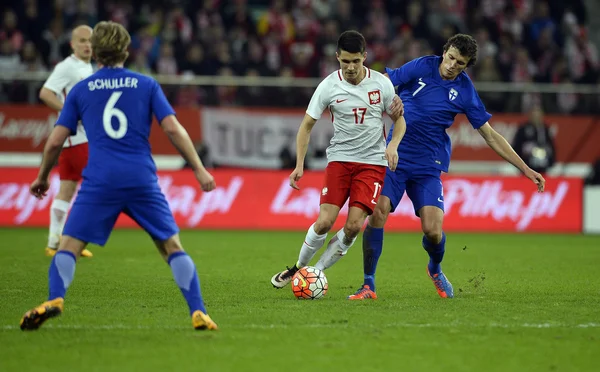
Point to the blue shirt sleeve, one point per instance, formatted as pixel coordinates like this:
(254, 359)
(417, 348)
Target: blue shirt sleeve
(407, 72)
(160, 105)
(69, 115)
(475, 109)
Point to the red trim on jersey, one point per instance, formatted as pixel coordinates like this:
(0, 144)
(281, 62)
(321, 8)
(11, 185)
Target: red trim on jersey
(331, 112)
(340, 75)
(368, 72)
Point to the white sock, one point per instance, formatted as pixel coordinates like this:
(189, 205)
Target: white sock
(312, 243)
(58, 215)
(335, 250)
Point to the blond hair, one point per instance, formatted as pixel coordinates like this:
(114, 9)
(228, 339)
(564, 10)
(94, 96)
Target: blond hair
(109, 43)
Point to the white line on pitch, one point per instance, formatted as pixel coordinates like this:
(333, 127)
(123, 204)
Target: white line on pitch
(100, 327)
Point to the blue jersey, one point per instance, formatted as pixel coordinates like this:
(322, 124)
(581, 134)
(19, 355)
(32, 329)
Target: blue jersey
(116, 107)
(430, 105)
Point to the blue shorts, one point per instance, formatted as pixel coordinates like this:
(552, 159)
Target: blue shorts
(95, 212)
(423, 187)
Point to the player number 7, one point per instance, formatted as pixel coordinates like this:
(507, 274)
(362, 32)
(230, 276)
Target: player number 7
(422, 85)
(361, 119)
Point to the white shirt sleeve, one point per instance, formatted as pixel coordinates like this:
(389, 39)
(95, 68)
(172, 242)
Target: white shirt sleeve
(319, 100)
(59, 78)
(388, 94)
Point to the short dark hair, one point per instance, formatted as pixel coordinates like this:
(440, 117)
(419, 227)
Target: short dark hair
(352, 42)
(466, 45)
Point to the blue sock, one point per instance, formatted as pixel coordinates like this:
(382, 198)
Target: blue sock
(186, 277)
(60, 274)
(372, 247)
(436, 253)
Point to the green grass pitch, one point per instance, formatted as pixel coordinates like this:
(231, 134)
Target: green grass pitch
(524, 302)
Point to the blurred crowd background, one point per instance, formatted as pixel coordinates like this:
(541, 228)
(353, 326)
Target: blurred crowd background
(520, 41)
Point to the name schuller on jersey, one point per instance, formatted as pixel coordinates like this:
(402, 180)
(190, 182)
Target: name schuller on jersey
(117, 83)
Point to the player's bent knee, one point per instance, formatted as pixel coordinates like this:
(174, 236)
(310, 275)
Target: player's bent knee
(169, 246)
(432, 230)
(66, 190)
(352, 228)
(380, 215)
(73, 245)
(323, 225)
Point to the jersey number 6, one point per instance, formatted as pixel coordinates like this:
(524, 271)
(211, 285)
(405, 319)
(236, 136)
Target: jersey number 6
(111, 111)
(359, 115)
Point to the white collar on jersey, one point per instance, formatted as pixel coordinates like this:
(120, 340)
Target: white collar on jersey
(367, 76)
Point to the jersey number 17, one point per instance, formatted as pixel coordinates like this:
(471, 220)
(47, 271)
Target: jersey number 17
(359, 115)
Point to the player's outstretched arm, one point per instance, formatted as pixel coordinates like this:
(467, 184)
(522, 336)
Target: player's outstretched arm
(501, 146)
(302, 139)
(180, 138)
(52, 150)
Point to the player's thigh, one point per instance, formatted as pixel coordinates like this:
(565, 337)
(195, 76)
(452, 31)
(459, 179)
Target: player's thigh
(367, 184)
(150, 210)
(336, 185)
(394, 186)
(92, 217)
(426, 191)
(72, 161)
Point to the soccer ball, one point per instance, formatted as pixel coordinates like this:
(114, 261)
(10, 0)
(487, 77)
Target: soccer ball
(309, 283)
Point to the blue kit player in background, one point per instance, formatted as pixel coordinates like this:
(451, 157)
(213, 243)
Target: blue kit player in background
(433, 89)
(116, 107)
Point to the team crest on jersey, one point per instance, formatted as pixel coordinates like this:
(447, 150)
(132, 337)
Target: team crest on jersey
(374, 97)
(452, 94)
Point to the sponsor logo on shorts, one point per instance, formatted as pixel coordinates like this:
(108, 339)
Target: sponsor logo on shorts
(324, 191)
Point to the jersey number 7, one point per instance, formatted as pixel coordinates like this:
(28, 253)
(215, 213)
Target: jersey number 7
(359, 115)
(422, 85)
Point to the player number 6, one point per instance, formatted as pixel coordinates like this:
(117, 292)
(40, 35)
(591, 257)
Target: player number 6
(111, 111)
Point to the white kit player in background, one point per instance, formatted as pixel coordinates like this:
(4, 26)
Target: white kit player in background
(73, 157)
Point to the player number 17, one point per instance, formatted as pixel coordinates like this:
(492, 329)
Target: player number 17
(111, 111)
(359, 115)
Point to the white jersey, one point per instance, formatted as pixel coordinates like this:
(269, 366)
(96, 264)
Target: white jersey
(357, 116)
(66, 74)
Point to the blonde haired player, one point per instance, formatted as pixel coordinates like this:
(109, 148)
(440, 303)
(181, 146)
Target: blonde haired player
(74, 155)
(117, 106)
(357, 98)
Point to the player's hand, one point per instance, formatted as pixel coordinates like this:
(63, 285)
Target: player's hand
(396, 108)
(536, 178)
(391, 155)
(295, 177)
(206, 180)
(39, 188)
